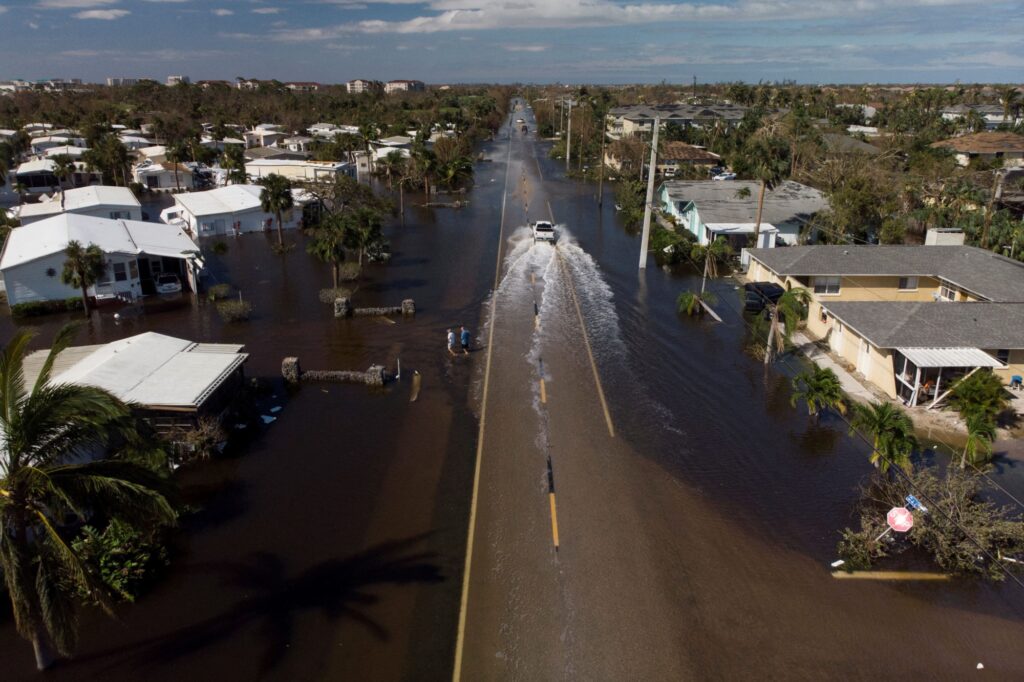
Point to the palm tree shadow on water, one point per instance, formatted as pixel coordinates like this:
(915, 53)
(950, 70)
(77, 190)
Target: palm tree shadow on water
(337, 589)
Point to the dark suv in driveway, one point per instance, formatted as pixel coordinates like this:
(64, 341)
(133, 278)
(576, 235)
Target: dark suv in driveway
(756, 295)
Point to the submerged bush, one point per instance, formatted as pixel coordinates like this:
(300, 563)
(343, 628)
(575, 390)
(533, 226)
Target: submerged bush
(349, 272)
(218, 291)
(329, 295)
(36, 308)
(124, 558)
(234, 311)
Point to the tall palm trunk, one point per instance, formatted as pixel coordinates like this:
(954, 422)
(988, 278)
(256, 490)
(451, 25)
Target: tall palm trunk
(42, 648)
(280, 231)
(334, 273)
(177, 185)
(771, 338)
(85, 297)
(760, 211)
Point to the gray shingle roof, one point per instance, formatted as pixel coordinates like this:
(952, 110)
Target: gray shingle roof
(717, 201)
(686, 112)
(928, 324)
(981, 272)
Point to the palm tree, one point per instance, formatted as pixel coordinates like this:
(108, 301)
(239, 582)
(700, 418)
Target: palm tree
(821, 389)
(328, 245)
(786, 314)
(456, 172)
(426, 165)
(765, 159)
(693, 303)
(276, 197)
(892, 433)
(63, 168)
(84, 267)
(175, 154)
(1009, 97)
(980, 434)
(361, 230)
(233, 161)
(43, 481)
(368, 132)
(391, 165)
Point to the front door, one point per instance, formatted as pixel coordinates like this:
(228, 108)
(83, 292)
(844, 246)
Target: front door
(863, 357)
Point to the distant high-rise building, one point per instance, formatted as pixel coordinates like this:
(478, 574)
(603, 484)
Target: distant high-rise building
(177, 80)
(404, 86)
(361, 85)
(118, 81)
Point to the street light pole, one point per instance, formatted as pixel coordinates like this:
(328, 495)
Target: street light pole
(600, 171)
(650, 195)
(568, 140)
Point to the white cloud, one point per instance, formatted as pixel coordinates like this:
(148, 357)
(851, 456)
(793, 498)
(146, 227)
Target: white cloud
(74, 4)
(473, 15)
(524, 48)
(104, 14)
(267, 10)
(223, 12)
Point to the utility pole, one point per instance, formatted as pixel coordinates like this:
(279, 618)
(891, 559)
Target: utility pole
(695, 89)
(650, 195)
(600, 171)
(568, 139)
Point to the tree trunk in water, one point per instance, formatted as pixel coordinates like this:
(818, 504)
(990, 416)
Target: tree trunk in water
(85, 301)
(177, 185)
(334, 272)
(42, 648)
(771, 337)
(401, 200)
(760, 210)
(280, 232)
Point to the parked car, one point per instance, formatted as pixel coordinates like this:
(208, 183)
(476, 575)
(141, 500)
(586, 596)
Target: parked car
(716, 170)
(168, 283)
(543, 231)
(725, 176)
(756, 295)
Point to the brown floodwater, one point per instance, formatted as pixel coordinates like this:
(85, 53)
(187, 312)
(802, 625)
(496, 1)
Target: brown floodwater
(332, 546)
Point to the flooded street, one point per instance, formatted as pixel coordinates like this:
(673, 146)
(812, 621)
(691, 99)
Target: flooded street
(697, 511)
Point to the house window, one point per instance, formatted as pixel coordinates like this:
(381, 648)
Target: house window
(156, 267)
(120, 272)
(133, 269)
(1003, 356)
(908, 283)
(120, 215)
(828, 286)
(947, 293)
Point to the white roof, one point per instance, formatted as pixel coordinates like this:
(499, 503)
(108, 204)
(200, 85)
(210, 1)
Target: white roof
(52, 138)
(950, 357)
(133, 138)
(155, 150)
(155, 370)
(52, 235)
(395, 141)
(83, 198)
(36, 166)
(229, 199)
(332, 165)
(739, 228)
(65, 149)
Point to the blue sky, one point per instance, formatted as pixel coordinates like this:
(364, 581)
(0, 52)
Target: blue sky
(437, 41)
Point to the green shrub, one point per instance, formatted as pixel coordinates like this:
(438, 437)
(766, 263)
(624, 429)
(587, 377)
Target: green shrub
(124, 557)
(349, 272)
(980, 395)
(218, 291)
(234, 311)
(329, 295)
(219, 248)
(36, 308)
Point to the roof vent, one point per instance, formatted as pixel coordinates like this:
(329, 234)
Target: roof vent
(846, 252)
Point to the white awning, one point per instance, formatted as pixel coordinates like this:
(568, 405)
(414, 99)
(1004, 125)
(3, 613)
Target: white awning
(950, 357)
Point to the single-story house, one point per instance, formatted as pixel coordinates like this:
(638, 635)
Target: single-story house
(672, 157)
(135, 141)
(297, 143)
(711, 208)
(37, 176)
(846, 144)
(136, 252)
(41, 144)
(75, 153)
(233, 209)
(156, 153)
(989, 146)
(869, 302)
(162, 176)
(994, 115)
(278, 153)
(325, 171)
(263, 136)
(170, 381)
(100, 201)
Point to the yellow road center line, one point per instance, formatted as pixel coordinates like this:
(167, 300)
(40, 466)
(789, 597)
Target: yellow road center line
(543, 392)
(586, 344)
(889, 575)
(554, 519)
(460, 636)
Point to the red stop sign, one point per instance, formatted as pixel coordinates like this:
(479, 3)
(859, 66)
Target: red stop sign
(900, 519)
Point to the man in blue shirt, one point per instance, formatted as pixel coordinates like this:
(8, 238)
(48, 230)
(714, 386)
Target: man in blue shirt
(465, 340)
